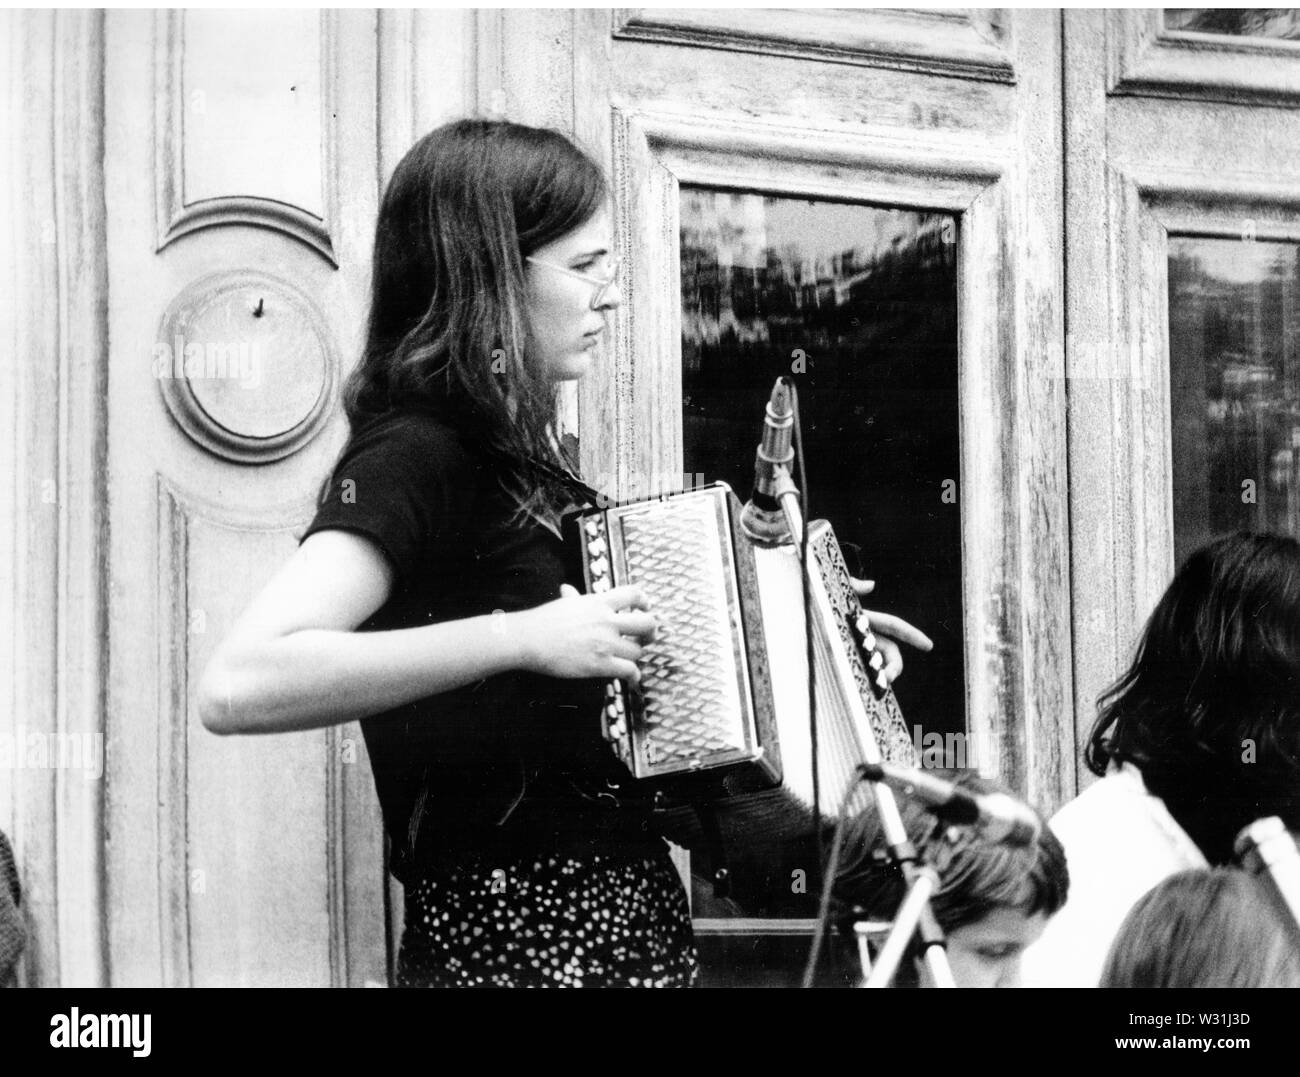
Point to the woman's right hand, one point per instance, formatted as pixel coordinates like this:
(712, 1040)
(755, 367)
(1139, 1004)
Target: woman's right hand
(587, 636)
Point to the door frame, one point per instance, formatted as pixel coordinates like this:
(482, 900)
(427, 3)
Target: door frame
(54, 593)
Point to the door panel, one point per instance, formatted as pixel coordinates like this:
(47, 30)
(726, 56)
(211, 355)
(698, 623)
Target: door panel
(1234, 372)
(243, 156)
(237, 279)
(1174, 137)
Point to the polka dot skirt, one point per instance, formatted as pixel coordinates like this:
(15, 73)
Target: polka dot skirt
(549, 922)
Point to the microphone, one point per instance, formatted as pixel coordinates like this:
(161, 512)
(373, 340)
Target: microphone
(762, 519)
(1001, 818)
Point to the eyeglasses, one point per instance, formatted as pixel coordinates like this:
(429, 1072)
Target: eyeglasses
(602, 284)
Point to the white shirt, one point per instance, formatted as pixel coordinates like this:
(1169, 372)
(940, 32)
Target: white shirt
(1119, 841)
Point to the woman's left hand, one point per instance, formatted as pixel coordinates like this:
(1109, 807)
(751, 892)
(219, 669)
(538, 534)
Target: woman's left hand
(889, 632)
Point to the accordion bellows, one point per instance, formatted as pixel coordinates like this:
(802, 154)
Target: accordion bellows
(722, 715)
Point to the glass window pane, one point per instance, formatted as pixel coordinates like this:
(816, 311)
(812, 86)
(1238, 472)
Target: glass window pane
(860, 304)
(1272, 22)
(1234, 346)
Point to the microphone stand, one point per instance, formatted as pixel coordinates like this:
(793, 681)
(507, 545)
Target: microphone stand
(914, 914)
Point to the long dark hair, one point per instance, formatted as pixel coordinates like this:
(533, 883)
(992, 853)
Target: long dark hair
(1204, 929)
(448, 327)
(1209, 711)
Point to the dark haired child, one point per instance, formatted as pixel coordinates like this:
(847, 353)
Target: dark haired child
(994, 897)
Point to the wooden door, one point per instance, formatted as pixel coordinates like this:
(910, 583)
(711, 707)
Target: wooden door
(241, 156)
(1183, 231)
(244, 154)
(723, 130)
(241, 179)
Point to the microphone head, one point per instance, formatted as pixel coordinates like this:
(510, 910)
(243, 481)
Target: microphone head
(779, 407)
(1004, 818)
(762, 520)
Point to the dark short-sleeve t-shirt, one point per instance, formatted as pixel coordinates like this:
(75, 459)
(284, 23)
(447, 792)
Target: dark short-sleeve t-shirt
(508, 765)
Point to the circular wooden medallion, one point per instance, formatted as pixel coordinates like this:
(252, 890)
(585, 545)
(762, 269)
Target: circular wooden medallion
(245, 366)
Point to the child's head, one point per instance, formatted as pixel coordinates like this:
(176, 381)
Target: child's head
(491, 243)
(994, 898)
(1215, 928)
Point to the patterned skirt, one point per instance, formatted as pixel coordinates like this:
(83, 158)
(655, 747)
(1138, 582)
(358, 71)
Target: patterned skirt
(549, 921)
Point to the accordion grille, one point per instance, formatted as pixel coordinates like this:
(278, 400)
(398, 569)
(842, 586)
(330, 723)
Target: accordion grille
(691, 674)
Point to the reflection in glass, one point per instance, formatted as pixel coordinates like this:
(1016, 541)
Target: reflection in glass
(1279, 23)
(1234, 346)
(860, 304)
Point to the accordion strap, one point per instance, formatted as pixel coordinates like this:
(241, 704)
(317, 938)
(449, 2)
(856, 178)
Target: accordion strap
(570, 481)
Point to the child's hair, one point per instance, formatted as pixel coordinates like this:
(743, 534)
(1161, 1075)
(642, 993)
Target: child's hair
(1209, 711)
(448, 325)
(1215, 928)
(976, 875)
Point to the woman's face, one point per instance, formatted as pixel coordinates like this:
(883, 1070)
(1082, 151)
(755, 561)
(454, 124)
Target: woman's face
(567, 329)
(987, 953)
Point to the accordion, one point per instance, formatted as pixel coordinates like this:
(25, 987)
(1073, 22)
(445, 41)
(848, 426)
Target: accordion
(720, 725)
